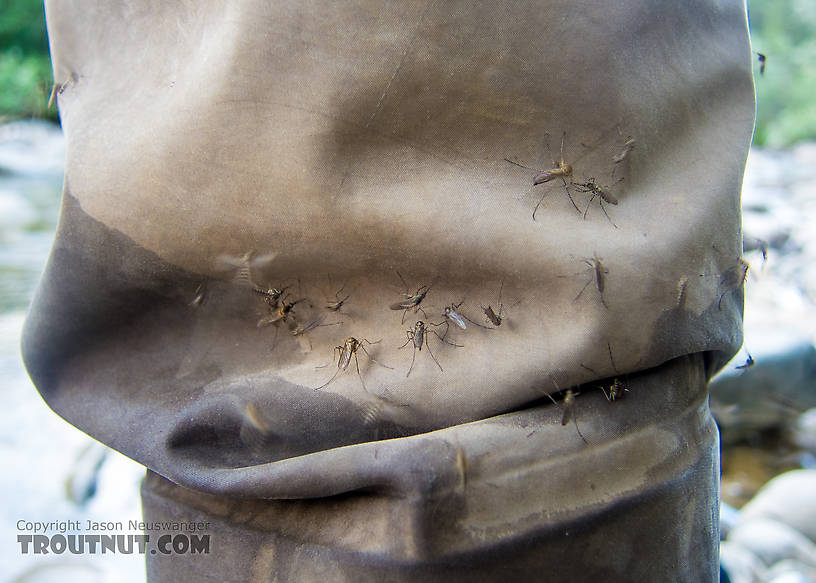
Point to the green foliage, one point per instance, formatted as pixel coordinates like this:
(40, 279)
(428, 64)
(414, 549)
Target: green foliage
(785, 31)
(25, 83)
(23, 25)
(25, 66)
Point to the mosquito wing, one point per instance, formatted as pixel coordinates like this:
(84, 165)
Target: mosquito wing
(456, 319)
(546, 176)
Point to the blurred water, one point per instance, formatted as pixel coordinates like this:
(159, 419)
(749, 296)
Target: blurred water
(51, 471)
(31, 155)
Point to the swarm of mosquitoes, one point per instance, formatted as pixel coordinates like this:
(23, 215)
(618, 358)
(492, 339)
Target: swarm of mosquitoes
(281, 312)
(417, 336)
(280, 304)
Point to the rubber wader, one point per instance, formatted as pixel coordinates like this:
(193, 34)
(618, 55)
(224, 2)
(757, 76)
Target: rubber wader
(402, 291)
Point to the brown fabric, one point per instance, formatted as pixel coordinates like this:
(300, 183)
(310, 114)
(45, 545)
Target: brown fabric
(341, 143)
(479, 502)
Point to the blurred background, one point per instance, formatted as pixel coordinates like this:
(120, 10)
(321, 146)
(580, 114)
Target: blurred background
(764, 400)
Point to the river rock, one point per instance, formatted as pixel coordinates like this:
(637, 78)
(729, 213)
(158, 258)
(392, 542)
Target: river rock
(790, 571)
(772, 392)
(740, 564)
(789, 499)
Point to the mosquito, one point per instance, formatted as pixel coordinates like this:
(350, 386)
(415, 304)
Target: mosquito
(243, 265)
(569, 412)
(300, 329)
(451, 314)
(615, 390)
(200, 297)
(337, 303)
(682, 287)
(411, 300)
(59, 88)
(271, 295)
(749, 362)
(279, 313)
(560, 170)
(599, 273)
(569, 408)
(732, 279)
(256, 428)
(345, 351)
(628, 145)
(56, 89)
(756, 244)
(618, 387)
(256, 418)
(495, 318)
(462, 467)
(602, 193)
(418, 335)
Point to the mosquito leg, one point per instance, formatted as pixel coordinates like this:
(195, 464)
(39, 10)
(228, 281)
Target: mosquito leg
(563, 136)
(550, 397)
(402, 280)
(357, 364)
(445, 341)
(474, 323)
(582, 290)
(520, 165)
(569, 413)
(538, 205)
(371, 358)
(607, 214)
(574, 420)
(275, 339)
(501, 306)
(586, 210)
(566, 189)
(447, 328)
(410, 368)
(549, 148)
(432, 354)
(326, 384)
